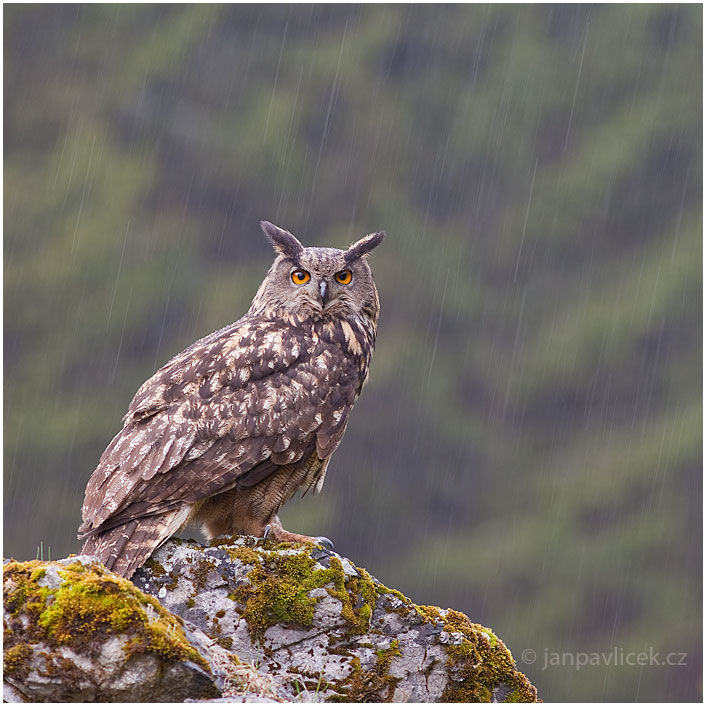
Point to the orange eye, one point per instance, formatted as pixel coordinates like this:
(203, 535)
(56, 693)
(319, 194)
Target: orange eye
(344, 277)
(300, 276)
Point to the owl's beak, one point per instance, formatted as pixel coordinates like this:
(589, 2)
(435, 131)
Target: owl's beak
(323, 291)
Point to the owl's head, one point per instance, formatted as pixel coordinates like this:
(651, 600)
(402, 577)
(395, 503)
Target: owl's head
(314, 283)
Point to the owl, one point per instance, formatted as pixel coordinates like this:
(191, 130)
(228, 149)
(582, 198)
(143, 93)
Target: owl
(228, 430)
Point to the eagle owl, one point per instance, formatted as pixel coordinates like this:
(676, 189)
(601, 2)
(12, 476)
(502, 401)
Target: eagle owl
(228, 430)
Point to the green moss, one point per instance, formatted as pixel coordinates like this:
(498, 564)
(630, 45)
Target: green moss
(430, 613)
(15, 660)
(476, 665)
(382, 590)
(280, 584)
(244, 554)
(480, 663)
(349, 590)
(374, 684)
(492, 635)
(382, 668)
(158, 571)
(199, 574)
(522, 695)
(89, 604)
(278, 593)
(286, 546)
(155, 567)
(227, 540)
(173, 582)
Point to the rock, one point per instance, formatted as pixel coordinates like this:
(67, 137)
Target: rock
(197, 618)
(313, 620)
(77, 632)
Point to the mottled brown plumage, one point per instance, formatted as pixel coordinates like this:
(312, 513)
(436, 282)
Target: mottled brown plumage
(228, 430)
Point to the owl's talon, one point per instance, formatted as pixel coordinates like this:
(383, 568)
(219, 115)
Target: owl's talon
(325, 542)
(266, 533)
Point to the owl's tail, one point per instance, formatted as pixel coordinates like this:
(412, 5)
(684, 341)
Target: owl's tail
(125, 548)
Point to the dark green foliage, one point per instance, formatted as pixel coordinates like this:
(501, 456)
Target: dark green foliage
(529, 447)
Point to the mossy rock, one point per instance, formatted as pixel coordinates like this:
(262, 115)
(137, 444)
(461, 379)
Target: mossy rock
(75, 631)
(315, 621)
(310, 618)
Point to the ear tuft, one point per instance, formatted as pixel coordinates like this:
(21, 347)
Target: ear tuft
(363, 246)
(282, 240)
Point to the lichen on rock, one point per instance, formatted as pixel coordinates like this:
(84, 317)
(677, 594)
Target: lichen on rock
(74, 630)
(312, 619)
(197, 618)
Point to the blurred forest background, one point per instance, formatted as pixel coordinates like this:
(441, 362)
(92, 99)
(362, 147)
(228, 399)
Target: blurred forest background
(529, 447)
